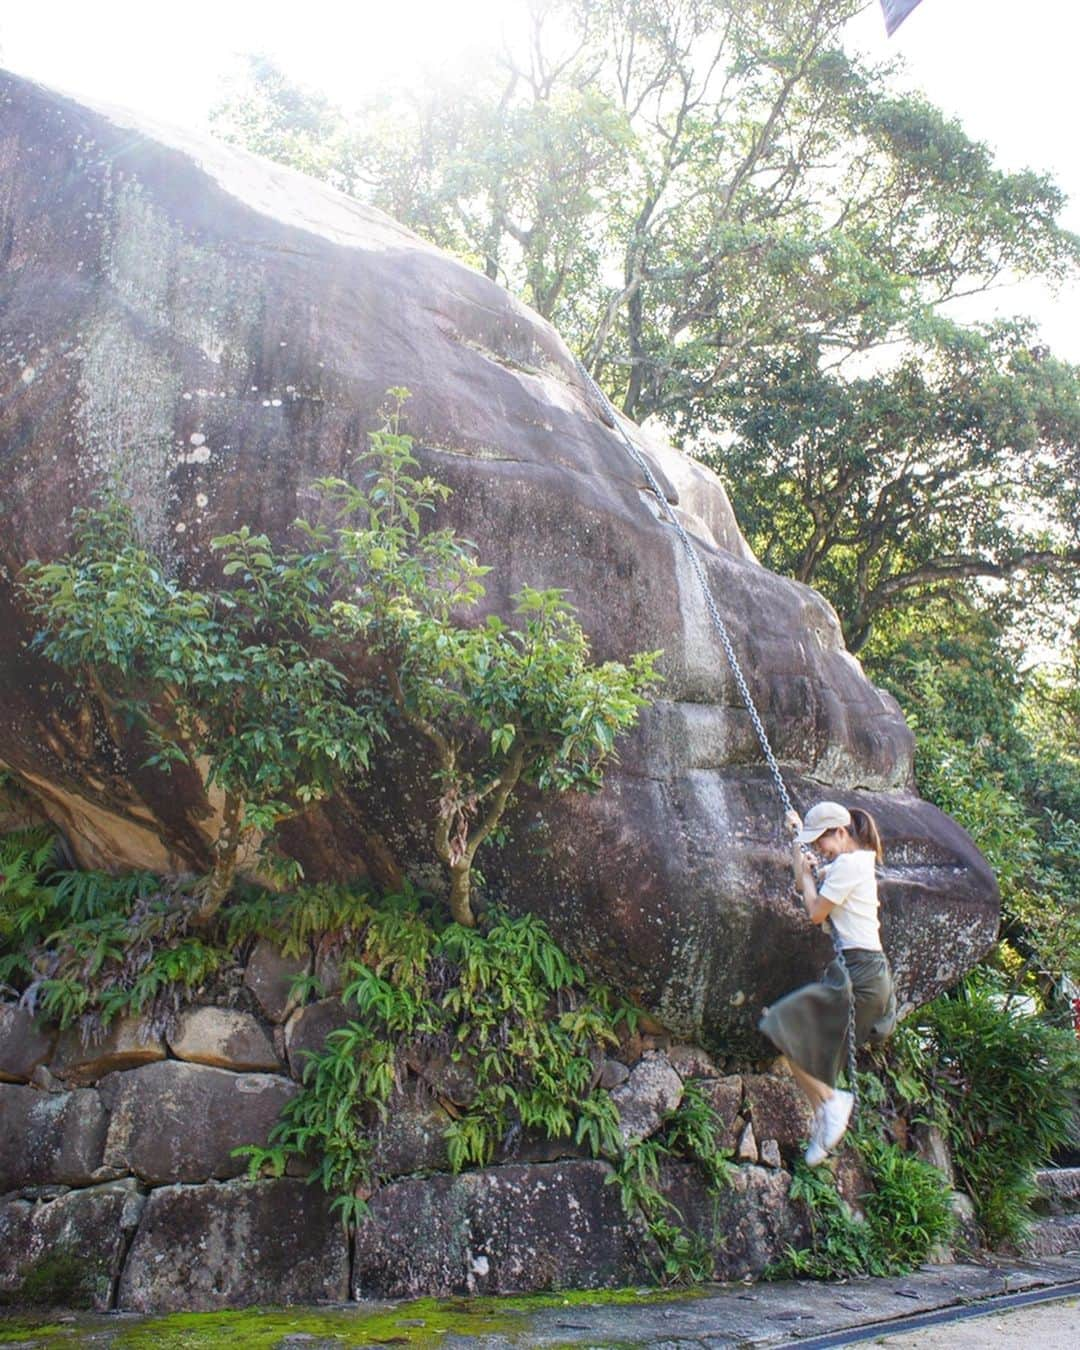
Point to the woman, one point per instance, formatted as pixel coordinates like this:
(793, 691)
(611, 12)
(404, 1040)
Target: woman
(810, 1025)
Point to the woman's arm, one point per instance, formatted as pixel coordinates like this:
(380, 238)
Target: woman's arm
(817, 907)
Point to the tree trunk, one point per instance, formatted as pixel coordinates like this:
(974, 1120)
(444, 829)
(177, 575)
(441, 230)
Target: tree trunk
(460, 888)
(223, 874)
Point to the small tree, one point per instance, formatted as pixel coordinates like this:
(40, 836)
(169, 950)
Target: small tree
(498, 706)
(242, 684)
(255, 686)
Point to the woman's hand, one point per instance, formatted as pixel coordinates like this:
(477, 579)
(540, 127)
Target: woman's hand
(793, 821)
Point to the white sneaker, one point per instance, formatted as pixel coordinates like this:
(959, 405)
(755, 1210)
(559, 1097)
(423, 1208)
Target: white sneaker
(835, 1115)
(816, 1152)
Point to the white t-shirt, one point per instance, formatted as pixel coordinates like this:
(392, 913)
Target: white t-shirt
(851, 885)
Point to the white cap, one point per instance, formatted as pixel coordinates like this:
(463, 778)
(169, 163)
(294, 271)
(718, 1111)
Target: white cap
(824, 816)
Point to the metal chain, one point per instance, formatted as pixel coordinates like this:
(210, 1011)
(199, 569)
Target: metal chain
(611, 418)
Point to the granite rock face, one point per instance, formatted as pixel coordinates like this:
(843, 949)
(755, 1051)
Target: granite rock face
(500, 1230)
(307, 1029)
(219, 332)
(652, 1090)
(232, 1244)
(747, 1224)
(123, 1044)
(50, 1138)
(67, 1250)
(224, 1038)
(779, 1110)
(180, 1122)
(271, 977)
(23, 1044)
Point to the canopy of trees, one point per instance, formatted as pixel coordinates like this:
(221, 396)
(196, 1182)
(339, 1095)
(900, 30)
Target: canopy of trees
(752, 235)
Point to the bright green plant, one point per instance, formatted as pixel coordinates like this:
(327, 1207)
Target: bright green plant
(26, 904)
(906, 1211)
(692, 1131)
(222, 681)
(1001, 1084)
(514, 1013)
(251, 688)
(909, 1210)
(523, 1025)
(87, 947)
(497, 707)
(907, 1214)
(840, 1242)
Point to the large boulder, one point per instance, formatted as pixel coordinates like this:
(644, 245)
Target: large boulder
(518, 1228)
(67, 1250)
(233, 1244)
(219, 331)
(50, 1138)
(183, 1122)
(23, 1043)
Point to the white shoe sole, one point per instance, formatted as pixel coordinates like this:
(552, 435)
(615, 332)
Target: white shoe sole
(834, 1126)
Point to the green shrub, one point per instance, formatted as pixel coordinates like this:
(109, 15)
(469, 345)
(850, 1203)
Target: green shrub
(906, 1214)
(508, 1006)
(503, 1001)
(692, 1131)
(909, 1210)
(89, 947)
(1001, 1085)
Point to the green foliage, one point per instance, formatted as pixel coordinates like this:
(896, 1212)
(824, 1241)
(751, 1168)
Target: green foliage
(251, 689)
(840, 1243)
(87, 947)
(909, 1211)
(331, 916)
(906, 1214)
(982, 758)
(692, 1131)
(504, 1004)
(497, 707)
(1002, 1085)
(519, 1020)
(25, 902)
(680, 1256)
(224, 683)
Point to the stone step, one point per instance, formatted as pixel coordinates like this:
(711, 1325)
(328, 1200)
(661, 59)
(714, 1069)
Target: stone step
(1055, 1236)
(1059, 1190)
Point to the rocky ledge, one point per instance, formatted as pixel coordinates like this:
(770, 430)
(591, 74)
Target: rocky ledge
(120, 1181)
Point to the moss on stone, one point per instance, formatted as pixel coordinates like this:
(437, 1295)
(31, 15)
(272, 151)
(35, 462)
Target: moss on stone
(59, 1280)
(421, 1323)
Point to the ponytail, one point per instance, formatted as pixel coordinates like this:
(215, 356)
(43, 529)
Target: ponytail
(865, 832)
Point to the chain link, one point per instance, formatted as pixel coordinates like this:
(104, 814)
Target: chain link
(608, 414)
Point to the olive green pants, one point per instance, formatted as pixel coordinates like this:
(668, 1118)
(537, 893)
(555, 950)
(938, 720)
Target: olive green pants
(810, 1025)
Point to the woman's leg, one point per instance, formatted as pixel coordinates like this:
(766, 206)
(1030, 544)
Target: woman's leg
(817, 1092)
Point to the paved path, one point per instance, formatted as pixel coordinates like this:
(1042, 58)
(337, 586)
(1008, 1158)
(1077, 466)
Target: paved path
(765, 1315)
(1048, 1326)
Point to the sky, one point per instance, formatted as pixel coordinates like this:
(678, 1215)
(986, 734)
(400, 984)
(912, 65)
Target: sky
(1006, 68)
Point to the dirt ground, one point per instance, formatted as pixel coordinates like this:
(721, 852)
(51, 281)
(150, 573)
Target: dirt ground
(1050, 1326)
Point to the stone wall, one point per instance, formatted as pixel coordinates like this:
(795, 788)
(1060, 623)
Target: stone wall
(118, 1173)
